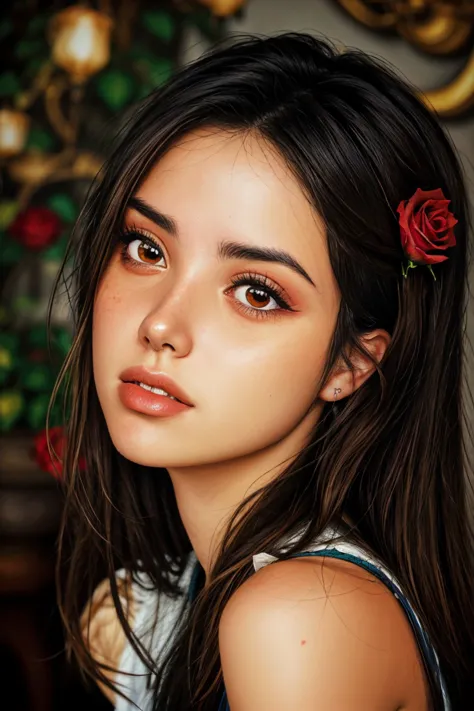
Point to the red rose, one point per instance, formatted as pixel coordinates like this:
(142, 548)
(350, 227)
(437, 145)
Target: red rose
(426, 226)
(36, 227)
(42, 456)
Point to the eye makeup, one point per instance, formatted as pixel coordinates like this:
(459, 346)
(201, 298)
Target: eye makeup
(257, 283)
(127, 235)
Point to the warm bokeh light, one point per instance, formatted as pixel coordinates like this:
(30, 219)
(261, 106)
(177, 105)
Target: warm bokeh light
(221, 8)
(13, 132)
(81, 41)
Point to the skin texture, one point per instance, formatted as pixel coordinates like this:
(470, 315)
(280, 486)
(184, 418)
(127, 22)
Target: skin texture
(252, 382)
(318, 634)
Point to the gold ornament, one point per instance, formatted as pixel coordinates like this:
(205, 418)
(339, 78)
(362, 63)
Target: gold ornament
(33, 167)
(34, 170)
(437, 27)
(80, 41)
(13, 132)
(221, 8)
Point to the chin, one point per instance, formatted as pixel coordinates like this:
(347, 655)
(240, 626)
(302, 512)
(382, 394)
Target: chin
(142, 451)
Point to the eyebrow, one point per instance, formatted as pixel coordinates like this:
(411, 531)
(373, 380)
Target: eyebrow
(226, 249)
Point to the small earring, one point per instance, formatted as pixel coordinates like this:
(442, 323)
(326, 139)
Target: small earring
(337, 391)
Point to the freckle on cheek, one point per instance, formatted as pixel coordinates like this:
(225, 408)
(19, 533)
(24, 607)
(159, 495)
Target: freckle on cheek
(303, 641)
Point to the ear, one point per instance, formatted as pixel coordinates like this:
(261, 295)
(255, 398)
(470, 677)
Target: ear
(342, 381)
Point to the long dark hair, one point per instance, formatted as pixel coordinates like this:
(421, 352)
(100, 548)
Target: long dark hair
(392, 457)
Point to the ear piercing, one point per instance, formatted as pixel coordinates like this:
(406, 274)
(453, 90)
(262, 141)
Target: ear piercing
(335, 404)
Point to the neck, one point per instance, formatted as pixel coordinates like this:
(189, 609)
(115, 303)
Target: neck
(208, 495)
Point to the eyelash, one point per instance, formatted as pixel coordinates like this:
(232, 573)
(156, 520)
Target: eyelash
(127, 235)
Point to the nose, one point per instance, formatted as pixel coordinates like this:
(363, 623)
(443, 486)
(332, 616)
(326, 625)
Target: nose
(166, 326)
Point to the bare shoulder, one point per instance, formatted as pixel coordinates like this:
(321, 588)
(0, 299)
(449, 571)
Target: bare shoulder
(102, 632)
(319, 632)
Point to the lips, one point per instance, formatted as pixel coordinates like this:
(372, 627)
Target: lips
(139, 374)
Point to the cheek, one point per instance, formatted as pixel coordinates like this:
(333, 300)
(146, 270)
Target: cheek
(106, 306)
(110, 323)
(288, 381)
(275, 382)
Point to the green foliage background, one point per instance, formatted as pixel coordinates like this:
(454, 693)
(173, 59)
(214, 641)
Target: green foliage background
(29, 364)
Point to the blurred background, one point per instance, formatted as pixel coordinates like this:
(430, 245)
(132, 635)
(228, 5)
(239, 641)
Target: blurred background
(71, 73)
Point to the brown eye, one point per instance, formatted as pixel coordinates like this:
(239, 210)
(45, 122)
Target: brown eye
(144, 252)
(138, 249)
(256, 298)
(256, 295)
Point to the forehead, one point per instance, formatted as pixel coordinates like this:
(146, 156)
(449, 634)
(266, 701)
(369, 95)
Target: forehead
(219, 161)
(218, 184)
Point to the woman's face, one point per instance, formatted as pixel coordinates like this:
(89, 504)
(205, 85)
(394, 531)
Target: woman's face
(170, 303)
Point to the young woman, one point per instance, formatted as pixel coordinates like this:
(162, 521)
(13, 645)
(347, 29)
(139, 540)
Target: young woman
(266, 385)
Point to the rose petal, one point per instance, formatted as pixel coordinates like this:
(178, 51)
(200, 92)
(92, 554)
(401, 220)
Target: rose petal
(435, 258)
(438, 224)
(421, 196)
(427, 228)
(405, 213)
(435, 212)
(430, 244)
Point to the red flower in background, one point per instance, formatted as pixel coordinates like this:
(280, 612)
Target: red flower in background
(38, 355)
(42, 456)
(36, 227)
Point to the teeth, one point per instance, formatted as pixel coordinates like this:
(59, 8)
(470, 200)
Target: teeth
(157, 391)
